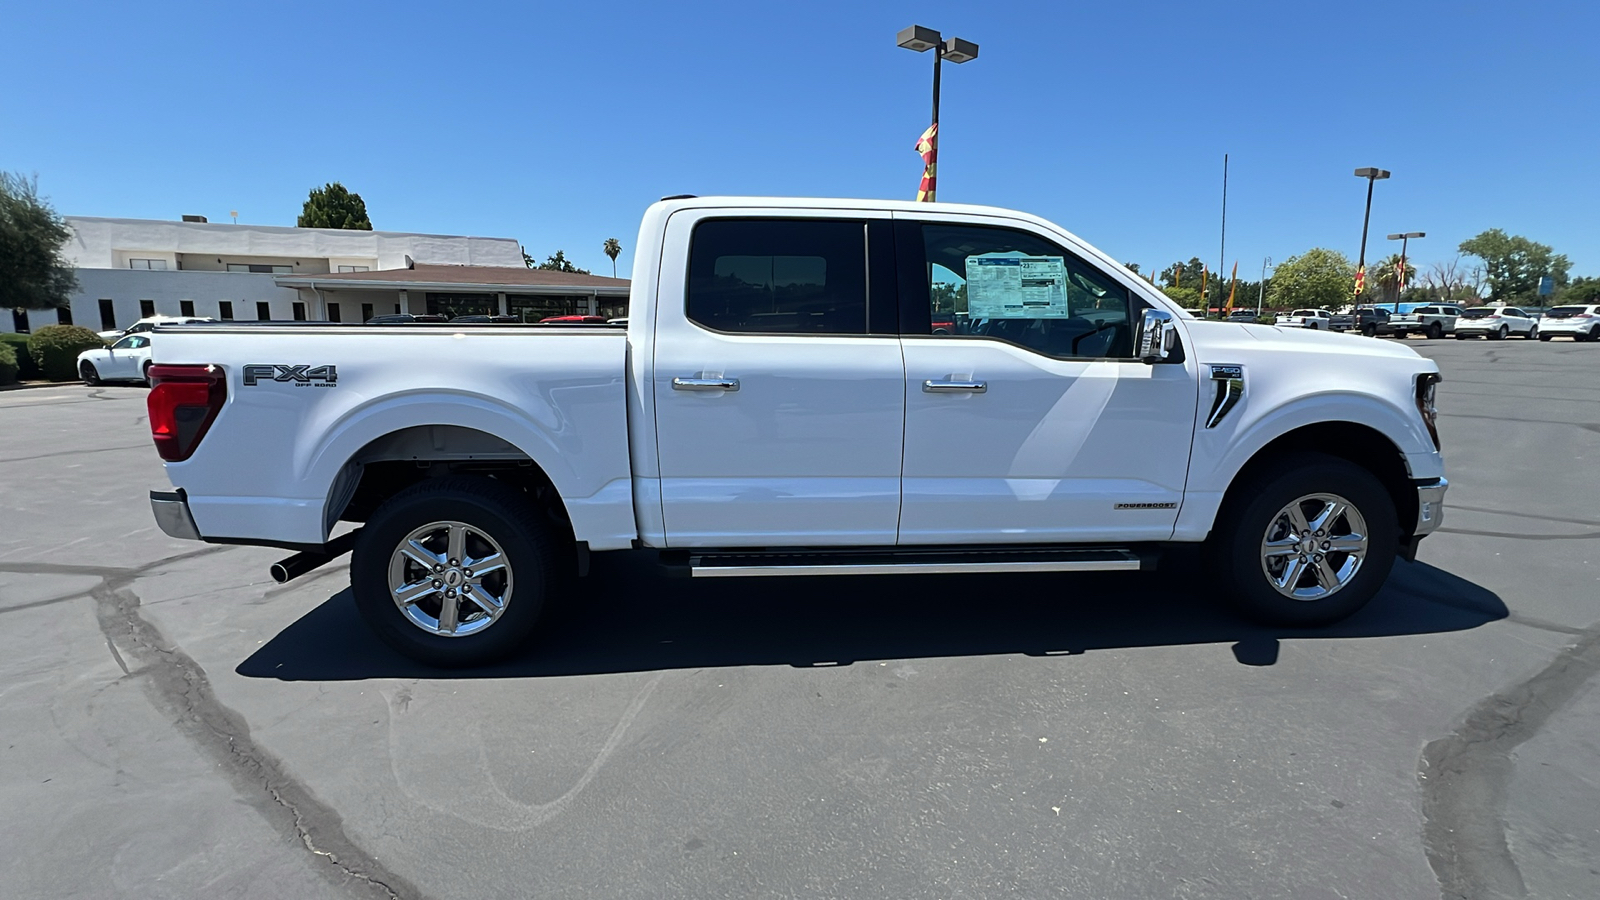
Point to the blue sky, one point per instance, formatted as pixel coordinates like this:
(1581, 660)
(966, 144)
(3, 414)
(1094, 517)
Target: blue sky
(556, 124)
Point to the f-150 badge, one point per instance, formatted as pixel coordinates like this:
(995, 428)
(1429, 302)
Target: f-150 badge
(299, 376)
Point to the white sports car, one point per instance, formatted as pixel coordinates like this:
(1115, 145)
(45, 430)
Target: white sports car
(126, 360)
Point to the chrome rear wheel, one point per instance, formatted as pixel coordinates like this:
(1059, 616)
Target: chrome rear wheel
(450, 579)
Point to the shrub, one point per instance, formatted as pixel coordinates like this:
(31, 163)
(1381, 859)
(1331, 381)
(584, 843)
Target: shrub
(18, 343)
(8, 364)
(55, 349)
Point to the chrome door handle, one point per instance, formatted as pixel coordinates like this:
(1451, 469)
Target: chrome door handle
(705, 384)
(971, 387)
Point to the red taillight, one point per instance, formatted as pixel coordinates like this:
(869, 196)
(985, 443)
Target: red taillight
(184, 400)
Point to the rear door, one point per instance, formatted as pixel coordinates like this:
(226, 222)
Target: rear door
(1030, 420)
(779, 384)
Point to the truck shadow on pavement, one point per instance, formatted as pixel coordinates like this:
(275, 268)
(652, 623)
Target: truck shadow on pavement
(628, 617)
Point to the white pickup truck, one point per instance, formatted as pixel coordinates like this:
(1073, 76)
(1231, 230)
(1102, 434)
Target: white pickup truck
(1310, 319)
(805, 387)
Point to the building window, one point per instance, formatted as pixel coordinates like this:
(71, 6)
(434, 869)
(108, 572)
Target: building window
(147, 308)
(529, 308)
(333, 312)
(397, 309)
(225, 309)
(64, 315)
(19, 321)
(261, 268)
(299, 311)
(366, 311)
(263, 311)
(156, 264)
(453, 305)
(185, 307)
(108, 316)
(613, 307)
(343, 269)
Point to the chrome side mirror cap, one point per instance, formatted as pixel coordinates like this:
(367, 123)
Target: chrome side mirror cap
(1157, 335)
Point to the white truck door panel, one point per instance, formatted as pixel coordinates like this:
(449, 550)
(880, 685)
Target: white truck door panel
(1051, 450)
(1027, 419)
(765, 438)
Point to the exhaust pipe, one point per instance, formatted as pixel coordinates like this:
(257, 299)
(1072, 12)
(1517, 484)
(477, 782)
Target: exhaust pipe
(305, 561)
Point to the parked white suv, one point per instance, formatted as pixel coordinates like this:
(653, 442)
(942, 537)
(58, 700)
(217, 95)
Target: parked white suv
(1581, 323)
(1495, 323)
(1314, 319)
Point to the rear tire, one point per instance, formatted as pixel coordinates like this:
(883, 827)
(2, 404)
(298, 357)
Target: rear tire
(419, 525)
(1250, 552)
(145, 371)
(1544, 337)
(89, 374)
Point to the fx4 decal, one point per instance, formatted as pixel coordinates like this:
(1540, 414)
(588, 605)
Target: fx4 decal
(299, 376)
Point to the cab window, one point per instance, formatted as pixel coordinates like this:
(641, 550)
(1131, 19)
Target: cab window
(1004, 284)
(778, 276)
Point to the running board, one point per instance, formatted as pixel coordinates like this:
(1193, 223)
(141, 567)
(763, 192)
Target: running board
(735, 564)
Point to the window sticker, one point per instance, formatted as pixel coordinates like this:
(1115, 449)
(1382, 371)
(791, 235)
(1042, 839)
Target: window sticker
(1016, 286)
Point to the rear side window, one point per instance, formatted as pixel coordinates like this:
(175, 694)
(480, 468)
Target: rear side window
(779, 276)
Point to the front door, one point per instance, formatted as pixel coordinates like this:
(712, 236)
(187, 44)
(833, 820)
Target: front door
(778, 411)
(1027, 418)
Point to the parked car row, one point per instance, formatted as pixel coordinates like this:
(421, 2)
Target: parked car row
(1581, 323)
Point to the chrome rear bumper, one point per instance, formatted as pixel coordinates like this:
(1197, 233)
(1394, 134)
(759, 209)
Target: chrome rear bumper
(171, 509)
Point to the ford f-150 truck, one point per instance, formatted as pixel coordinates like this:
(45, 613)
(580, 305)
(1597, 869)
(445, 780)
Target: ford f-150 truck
(804, 387)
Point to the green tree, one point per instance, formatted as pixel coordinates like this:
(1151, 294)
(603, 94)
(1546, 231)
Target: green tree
(33, 273)
(613, 249)
(1513, 264)
(1315, 279)
(558, 262)
(1581, 290)
(332, 206)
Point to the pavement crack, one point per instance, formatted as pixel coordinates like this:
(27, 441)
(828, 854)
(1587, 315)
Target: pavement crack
(1465, 776)
(1511, 535)
(180, 688)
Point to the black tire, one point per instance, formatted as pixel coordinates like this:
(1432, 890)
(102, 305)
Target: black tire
(1435, 331)
(502, 513)
(1238, 571)
(1461, 337)
(1369, 330)
(145, 371)
(89, 374)
(1533, 334)
(1594, 334)
(1544, 337)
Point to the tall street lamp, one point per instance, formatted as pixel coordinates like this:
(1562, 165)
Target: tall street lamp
(918, 38)
(1400, 279)
(1371, 174)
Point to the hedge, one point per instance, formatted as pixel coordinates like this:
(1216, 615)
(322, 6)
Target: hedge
(8, 364)
(18, 343)
(55, 349)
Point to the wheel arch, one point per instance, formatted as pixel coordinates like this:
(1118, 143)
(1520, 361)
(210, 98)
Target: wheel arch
(1355, 442)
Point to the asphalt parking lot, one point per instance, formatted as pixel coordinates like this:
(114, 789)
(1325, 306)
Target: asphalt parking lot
(173, 724)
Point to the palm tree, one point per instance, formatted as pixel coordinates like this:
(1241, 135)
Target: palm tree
(1387, 277)
(613, 249)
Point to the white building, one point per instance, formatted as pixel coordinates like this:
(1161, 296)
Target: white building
(131, 268)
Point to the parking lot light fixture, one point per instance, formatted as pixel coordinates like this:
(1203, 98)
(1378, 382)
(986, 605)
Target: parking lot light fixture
(1371, 174)
(918, 38)
(1400, 280)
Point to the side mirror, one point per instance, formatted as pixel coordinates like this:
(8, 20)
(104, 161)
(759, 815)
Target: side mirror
(1157, 335)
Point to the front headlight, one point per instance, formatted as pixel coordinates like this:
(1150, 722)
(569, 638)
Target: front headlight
(1427, 393)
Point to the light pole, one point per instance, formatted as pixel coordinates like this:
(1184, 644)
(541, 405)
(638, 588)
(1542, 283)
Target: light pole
(1400, 279)
(918, 38)
(1261, 286)
(1371, 174)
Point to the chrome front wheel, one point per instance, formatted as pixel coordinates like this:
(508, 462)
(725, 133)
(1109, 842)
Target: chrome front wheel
(1314, 546)
(450, 579)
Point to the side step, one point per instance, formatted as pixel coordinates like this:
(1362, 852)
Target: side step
(745, 564)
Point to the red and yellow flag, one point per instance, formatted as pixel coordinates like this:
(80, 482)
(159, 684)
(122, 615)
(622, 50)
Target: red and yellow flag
(1361, 282)
(928, 146)
(1234, 288)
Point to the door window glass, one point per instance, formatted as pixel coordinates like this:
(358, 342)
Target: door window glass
(779, 276)
(1017, 287)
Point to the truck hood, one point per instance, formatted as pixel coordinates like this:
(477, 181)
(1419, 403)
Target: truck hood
(1212, 338)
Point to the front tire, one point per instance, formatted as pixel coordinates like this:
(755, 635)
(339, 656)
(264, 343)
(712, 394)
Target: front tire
(89, 374)
(145, 372)
(455, 571)
(1307, 542)
(1435, 331)
(1533, 334)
